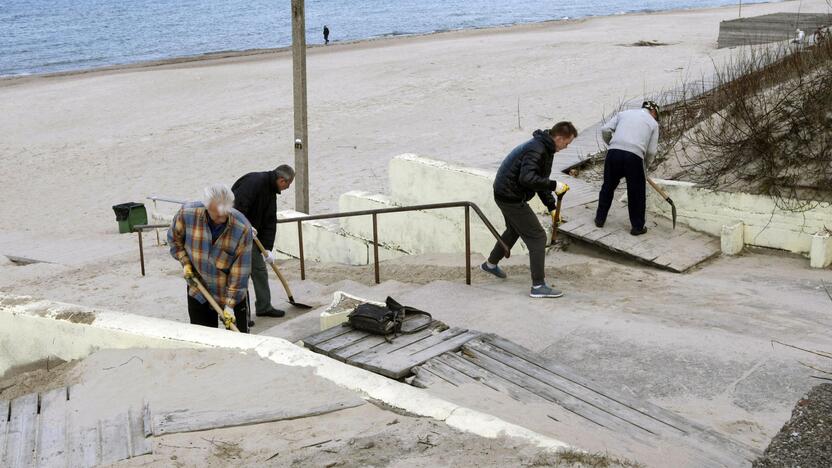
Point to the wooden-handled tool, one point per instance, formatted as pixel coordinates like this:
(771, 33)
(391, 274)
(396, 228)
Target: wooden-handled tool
(556, 219)
(281, 278)
(214, 305)
(665, 196)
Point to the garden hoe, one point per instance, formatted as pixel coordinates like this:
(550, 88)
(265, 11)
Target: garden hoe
(666, 198)
(281, 278)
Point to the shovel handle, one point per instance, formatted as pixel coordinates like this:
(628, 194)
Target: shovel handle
(657, 188)
(211, 301)
(556, 218)
(274, 267)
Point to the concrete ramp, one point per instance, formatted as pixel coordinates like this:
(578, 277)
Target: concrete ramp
(662, 246)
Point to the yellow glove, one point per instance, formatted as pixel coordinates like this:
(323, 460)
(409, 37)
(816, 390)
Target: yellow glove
(228, 317)
(188, 271)
(561, 188)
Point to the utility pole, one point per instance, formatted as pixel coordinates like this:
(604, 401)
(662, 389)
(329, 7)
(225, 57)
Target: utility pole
(299, 92)
(740, 9)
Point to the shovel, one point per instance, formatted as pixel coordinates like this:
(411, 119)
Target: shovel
(666, 198)
(556, 219)
(281, 278)
(207, 295)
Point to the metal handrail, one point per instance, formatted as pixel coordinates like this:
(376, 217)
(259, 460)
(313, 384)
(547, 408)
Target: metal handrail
(139, 229)
(400, 209)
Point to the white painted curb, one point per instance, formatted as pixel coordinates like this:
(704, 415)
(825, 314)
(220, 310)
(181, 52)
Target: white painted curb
(36, 329)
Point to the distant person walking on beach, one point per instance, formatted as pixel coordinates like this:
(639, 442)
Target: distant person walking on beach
(326, 35)
(212, 241)
(633, 139)
(255, 196)
(799, 37)
(524, 173)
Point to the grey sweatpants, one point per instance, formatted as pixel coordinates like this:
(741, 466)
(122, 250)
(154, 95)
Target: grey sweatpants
(522, 223)
(260, 278)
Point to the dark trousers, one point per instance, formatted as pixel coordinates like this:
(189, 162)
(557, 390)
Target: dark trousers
(624, 164)
(522, 223)
(260, 278)
(204, 314)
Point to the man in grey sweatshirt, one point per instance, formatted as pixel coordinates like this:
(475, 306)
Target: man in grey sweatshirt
(633, 139)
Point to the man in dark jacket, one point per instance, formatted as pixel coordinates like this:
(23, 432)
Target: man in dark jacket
(524, 173)
(255, 197)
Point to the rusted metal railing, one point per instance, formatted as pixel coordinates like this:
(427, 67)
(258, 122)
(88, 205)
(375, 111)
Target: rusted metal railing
(400, 209)
(139, 230)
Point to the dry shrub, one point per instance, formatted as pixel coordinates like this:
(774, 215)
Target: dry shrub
(764, 125)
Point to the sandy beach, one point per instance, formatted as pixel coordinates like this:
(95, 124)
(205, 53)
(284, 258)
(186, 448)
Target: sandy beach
(75, 145)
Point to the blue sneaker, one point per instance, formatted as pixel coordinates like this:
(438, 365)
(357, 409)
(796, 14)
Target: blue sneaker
(496, 271)
(544, 291)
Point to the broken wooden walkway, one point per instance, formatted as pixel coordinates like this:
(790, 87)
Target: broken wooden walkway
(42, 431)
(507, 368)
(677, 250)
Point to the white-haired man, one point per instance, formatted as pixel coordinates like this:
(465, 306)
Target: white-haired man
(213, 241)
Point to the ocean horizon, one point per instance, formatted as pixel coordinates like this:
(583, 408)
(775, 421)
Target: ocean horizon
(50, 36)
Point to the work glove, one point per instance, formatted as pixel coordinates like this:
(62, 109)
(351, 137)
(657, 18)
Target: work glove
(188, 271)
(561, 189)
(228, 317)
(268, 257)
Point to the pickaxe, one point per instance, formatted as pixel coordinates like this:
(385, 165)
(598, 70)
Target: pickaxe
(665, 196)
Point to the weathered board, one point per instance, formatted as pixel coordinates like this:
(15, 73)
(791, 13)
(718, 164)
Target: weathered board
(52, 430)
(4, 424)
(189, 421)
(389, 356)
(677, 250)
(20, 435)
(528, 378)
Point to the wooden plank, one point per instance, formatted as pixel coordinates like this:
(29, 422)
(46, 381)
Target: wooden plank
(359, 346)
(84, 444)
(401, 341)
(4, 425)
(115, 434)
(52, 442)
(189, 421)
(399, 363)
(138, 441)
(20, 436)
(491, 380)
(328, 334)
(330, 346)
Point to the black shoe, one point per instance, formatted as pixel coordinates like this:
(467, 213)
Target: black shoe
(638, 232)
(271, 312)
(599, 224)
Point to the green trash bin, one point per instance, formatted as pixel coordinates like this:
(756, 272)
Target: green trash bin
(129, 215)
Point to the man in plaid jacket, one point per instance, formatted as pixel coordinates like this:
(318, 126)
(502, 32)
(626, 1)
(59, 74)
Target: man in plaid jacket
(213, 242)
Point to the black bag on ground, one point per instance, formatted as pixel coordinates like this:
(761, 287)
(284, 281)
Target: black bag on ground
(386, 320)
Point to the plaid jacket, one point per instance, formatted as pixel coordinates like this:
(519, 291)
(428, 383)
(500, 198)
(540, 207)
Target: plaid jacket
(224, 266)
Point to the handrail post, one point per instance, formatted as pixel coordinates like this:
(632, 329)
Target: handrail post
(300, 251)
(141, 249)
(467, 245)
(375, 246)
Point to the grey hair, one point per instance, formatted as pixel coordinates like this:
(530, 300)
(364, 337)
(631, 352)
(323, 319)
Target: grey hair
(286, 172)
(219, 194)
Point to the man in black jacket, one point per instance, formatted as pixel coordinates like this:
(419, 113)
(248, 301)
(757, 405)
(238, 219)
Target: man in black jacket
(524, 173)
(255, 197)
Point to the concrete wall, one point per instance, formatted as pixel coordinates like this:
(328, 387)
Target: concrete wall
(764, 224)
(327, 242)
(32, 330)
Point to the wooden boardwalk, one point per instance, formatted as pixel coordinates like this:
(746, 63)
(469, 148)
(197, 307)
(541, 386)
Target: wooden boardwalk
(394, 357)
(529, 379)
(42, 431)
(662, 246)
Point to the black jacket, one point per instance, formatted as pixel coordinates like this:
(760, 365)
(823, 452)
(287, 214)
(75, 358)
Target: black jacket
(255, 197)
(526, 171)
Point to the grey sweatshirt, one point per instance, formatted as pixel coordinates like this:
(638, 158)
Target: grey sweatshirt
(635, 131)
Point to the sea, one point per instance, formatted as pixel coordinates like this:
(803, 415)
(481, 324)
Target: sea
(47, 36)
